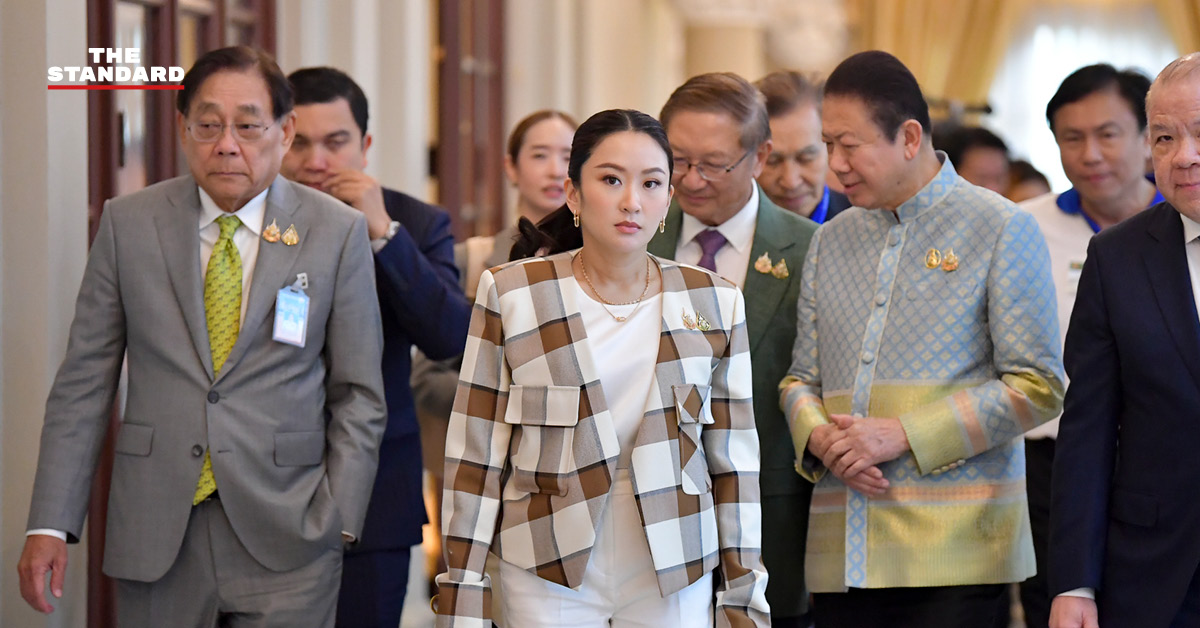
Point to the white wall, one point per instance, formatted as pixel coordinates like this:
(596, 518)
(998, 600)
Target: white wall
(583, 56)
(386, 48)
(43, 245)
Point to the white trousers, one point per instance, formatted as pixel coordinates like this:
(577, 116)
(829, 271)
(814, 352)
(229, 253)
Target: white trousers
(619, 587)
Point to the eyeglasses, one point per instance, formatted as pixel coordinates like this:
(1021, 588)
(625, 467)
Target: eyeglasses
(208, 132)
(708, 172)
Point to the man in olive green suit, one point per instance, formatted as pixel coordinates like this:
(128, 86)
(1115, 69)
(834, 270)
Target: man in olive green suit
(719, 133)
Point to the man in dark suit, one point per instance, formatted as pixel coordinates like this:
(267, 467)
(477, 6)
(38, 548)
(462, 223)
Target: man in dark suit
(244, 308)
(421, 304)
(1124, 517)
(719, 134)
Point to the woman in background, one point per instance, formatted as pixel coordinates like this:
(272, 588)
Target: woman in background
(602, 443)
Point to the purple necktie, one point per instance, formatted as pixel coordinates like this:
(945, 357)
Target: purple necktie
(710, 241)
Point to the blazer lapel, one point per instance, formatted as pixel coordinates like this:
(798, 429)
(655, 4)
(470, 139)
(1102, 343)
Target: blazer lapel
(179, 239)
(1167, 269)
(271, 270)
(569, 294)
(764, 291)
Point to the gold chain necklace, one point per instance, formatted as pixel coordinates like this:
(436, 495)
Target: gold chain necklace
(604, 303)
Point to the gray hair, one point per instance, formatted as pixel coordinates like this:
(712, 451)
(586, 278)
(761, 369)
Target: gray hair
(1182, 68)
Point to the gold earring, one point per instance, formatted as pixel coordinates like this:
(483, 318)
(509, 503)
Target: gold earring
(576, 219)
(662, 226)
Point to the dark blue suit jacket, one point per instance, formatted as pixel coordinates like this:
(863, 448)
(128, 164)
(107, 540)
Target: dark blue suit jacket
(421, 303)
(838, 203)
(1125, 515)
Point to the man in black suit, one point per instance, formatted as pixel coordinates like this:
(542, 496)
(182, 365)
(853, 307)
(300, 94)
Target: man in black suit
(421, 304)
(1124, 517)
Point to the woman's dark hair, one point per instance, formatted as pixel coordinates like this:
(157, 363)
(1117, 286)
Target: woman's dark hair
(557, 232)
(516, 139)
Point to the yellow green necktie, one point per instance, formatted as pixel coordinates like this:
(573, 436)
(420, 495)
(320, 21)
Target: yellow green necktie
(223, 312)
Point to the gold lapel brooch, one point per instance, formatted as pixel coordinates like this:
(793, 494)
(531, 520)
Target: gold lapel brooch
(763, 263)
(699, 322)
(271, 233)
(290, 237)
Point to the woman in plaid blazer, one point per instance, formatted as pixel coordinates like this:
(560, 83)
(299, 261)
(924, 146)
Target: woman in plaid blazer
(602, 442)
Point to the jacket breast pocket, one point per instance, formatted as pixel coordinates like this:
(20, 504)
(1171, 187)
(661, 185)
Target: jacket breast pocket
(694, 411)
(544, 420)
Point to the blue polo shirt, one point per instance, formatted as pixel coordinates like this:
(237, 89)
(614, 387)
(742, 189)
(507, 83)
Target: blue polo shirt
(1070, 203)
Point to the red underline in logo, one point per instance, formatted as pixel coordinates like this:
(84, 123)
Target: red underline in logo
(154, 87)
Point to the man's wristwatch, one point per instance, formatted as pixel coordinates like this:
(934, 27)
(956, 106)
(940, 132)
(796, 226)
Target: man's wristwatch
(393, 227)
(381, 241)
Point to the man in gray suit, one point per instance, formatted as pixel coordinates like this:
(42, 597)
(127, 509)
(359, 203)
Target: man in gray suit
(245, 307)
(720, 136)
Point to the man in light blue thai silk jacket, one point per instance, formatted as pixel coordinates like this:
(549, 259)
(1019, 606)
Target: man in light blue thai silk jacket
(927, 344)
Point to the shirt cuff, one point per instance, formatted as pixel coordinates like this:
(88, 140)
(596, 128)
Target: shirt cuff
(1084, 592)
(58, 534)
(349, 538)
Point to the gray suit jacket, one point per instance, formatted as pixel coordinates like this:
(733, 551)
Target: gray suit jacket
(771, 323)
(293, 432)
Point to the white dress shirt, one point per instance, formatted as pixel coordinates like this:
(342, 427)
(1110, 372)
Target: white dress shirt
(733, 260)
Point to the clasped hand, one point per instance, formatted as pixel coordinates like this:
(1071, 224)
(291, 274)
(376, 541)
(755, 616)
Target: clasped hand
(852, 448)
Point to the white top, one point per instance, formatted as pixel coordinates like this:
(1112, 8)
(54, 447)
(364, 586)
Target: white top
(1067, 237)
(733, 260)
(625, 355)
(246, 238)
(1191, 245)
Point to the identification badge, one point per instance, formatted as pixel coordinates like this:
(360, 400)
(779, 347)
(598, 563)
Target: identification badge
(291, 313)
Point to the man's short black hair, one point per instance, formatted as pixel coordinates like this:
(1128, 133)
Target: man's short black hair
(325, 85)
(885, 85)
(958, 140)
(1130, 84)
(237, 59)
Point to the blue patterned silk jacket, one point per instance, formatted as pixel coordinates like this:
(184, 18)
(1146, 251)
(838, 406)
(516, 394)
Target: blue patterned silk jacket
(941, 314)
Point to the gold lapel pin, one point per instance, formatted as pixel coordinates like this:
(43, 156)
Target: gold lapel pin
(688, 321)
(702, 323)
(780, 271)
(933, 258)
(290, 237)
(950, 262)
(763, 264)
(271, 233)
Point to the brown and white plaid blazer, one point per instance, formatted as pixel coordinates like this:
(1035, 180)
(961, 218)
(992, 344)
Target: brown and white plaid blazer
(531, 450)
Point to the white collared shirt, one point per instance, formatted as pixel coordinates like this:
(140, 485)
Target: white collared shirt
(246, 238)
(733, 259)
(1191, 246)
